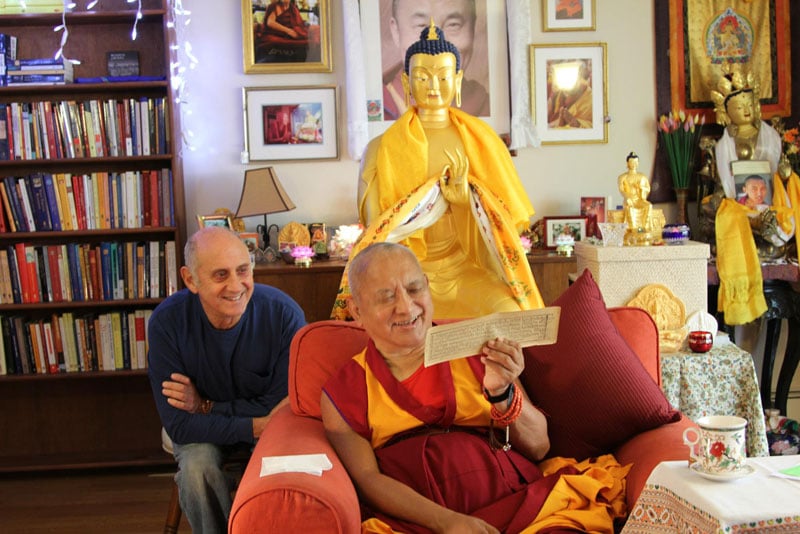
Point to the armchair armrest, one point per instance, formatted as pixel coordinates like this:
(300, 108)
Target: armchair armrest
(646, 450)
(286, 501)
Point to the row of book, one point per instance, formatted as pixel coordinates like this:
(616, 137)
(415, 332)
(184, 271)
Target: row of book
(69, 343)
(81, 272)
(45, 202)
(84, 129)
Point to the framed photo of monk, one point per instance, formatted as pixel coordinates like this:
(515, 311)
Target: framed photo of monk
(560, 227)
(476, 27)
(568, 15)
(569, 95)
(281, 36)
(290, 123)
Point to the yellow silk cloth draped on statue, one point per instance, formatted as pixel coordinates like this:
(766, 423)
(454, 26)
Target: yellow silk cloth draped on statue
(741, 287)
(499, 200)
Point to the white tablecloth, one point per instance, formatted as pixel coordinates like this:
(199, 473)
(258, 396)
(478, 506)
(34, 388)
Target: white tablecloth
(675, 499)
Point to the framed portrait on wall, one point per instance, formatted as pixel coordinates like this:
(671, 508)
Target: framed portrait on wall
(568, 15)
(479, 32)
(290, 123)
(569, 92)
(286, 36)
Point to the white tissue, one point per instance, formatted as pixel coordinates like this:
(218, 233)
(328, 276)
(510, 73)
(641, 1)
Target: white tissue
(312, 464)
(704, 321)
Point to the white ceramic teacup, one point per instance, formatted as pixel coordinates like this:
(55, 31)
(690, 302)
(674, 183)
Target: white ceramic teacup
(718, 443)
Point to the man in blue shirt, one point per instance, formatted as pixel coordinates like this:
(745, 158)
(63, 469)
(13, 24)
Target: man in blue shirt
(218, 365)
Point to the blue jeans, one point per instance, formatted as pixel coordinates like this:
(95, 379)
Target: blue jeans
(204, 488)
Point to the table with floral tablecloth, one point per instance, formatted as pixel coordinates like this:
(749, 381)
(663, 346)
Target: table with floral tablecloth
(720, 382)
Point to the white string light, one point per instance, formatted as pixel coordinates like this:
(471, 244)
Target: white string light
(179, 48)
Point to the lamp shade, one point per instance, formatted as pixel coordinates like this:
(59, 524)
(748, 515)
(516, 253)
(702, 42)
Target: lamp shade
(262, 193)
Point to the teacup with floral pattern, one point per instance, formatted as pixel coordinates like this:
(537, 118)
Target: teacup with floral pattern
(718, 443)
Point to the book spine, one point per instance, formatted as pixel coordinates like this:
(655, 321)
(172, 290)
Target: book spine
(13, 275)
(53, 203)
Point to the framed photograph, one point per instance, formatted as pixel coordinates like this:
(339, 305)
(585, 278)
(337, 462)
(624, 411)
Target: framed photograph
(752, 180)
(571, 225)
(290, 123)
(479, 34)
(215, 220)
(568, 15)
(286, 36)
(250, 239)
(594, 208)
(569, 92)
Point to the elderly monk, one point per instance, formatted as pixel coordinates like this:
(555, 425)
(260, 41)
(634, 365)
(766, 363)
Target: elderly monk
(442, 182)
(451, 447)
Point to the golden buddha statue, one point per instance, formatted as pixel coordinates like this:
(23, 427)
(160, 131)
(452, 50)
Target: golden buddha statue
(442, 182)
(746, 136)
(635, 188)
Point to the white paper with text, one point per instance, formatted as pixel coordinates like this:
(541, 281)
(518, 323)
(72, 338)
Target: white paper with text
(465, 338)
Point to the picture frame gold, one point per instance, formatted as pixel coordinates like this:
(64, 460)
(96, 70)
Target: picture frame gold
(204, 221)
(559, 116)
(291, 123)
(568, 15)
(270, 52)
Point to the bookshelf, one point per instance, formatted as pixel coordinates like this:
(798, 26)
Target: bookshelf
(88, 412)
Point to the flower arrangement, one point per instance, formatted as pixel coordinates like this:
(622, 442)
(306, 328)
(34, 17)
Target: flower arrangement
(680, 133)
(790, 139)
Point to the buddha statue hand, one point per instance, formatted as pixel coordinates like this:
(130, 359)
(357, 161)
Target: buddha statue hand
(765, 224)
(453, 180)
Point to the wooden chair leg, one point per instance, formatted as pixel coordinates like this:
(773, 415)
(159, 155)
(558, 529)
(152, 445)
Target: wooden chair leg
(173, 513)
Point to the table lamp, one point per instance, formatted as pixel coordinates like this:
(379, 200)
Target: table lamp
(262, 194)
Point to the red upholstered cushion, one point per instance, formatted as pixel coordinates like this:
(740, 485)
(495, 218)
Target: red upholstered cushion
(317, 351)
(590, 384)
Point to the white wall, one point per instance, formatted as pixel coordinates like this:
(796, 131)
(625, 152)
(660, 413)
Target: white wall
(554, 176)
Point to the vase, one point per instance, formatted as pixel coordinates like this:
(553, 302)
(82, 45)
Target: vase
(682, 194)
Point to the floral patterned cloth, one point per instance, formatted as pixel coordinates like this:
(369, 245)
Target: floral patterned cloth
(720, 382)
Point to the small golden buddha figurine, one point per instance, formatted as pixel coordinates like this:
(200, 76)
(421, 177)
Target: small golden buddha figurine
(443, 183)
(635, 187)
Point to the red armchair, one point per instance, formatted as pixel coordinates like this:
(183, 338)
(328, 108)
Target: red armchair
(328, 503)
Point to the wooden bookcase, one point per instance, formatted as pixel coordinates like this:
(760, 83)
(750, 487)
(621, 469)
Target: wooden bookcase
(90, 418)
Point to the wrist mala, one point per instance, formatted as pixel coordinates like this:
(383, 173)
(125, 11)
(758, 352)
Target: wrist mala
(505, 419)
(205, 406)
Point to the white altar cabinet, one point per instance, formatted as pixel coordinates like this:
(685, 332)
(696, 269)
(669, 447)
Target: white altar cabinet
(621, 272)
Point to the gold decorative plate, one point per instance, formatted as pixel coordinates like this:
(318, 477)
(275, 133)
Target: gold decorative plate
(294, 233)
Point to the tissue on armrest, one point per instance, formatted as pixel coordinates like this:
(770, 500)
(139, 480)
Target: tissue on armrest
(280, 502)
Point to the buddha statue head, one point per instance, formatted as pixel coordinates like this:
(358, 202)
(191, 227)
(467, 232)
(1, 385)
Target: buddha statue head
(433, 73)
(737, 107)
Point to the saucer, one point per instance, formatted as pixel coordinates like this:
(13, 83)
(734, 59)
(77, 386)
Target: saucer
(723, 477)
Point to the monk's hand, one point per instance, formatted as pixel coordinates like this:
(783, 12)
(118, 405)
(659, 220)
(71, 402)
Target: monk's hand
(465, 524)
(181, 393)
(503, 361)
(453, 180)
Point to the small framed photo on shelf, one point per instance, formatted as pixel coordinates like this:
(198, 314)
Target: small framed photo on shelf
(594, 208)
(250, 239)
(215, 220)
(568, 15)
(569, 95)
(303, 45)
(290, 123)
(752, 180)
(573, 226)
